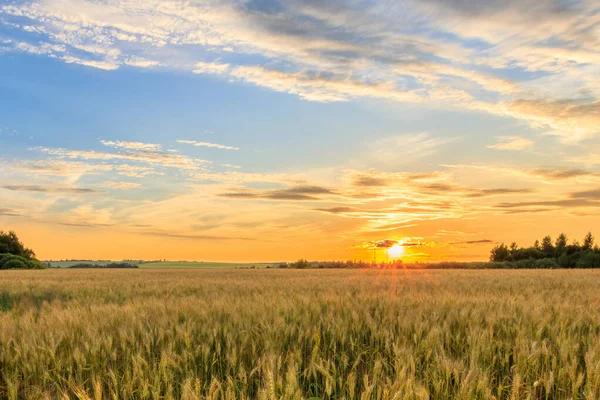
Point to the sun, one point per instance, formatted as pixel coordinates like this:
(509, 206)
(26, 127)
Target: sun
(396, 251)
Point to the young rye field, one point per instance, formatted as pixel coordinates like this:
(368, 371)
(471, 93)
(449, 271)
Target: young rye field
(290, 334)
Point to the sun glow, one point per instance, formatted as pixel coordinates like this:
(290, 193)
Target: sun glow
(396, 251)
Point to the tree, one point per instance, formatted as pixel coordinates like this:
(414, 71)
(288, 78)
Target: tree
(10, 243)
(547, 247)
(561, 244)
(588, 241)
(500, 253)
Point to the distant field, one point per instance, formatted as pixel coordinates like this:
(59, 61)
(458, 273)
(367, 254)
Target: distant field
(67, 264)
(211, 265)
(169, 264)
(272, 334)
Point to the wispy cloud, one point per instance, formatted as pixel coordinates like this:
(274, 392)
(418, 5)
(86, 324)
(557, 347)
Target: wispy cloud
(207, 144)
(120, 185)
(511, 143)
(132, 145)
(210, 68)
(406, 148)
(42, 189)
(133, 151)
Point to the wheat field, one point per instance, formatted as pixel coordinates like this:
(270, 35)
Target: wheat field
(299, 334)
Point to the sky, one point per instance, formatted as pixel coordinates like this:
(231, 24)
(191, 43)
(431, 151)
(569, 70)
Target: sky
(266, 130)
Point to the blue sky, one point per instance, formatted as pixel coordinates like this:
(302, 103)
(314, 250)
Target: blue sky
(243, 130)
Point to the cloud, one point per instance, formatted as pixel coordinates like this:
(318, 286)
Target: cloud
(388, 243)
(42, 189)
(405, 149)
(206, 144)
(563, 203)
(337, 210)
(297, 193)
(511, 143)
(210, 68)
(480, 241)
(572, 120)
(593, 194)
(121, 185)
(322, 86)
(7, 212)
(457, 190)
(366, 180)
(496, 192)
(559, 173)
(141, 62)
(548, 174)
(453, 54)
(132, 145)
(589, 159)
(133, 151)
(176, 235)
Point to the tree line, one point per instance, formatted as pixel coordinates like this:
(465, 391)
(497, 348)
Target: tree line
(548, 253)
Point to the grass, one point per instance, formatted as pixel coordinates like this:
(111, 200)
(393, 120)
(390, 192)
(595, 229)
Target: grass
(290, 334)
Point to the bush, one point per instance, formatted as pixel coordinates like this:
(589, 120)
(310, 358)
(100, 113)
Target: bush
(589, 260)
(111, 265)
(27, 263)
(5, 258)
(546, 263)
(15, 264)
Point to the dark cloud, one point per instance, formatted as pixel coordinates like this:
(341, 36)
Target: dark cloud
(366, 180)
(7, 212)
(411, 244)
(560, 173)
(43, 189)
(385, 243)
(297, 193)
(440, 187)
(337, 210)
(530, 8)
(422, 210)
(195, 237)
(475, 193)
(474, 241)
(587, 194)
(528, 210)
(83, 224)
(551, 203)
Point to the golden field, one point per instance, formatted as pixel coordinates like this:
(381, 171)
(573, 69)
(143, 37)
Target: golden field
(300, 334)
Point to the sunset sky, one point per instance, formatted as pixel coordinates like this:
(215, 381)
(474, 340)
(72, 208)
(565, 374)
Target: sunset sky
(267, 130)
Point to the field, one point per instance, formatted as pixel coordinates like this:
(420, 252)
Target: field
(292, 334)
(168, 264)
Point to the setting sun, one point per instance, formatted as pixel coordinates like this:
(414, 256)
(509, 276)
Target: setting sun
(396, 251)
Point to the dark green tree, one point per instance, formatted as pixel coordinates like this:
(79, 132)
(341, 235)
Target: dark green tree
(10, 243)
(500, 253)
(561, 245)
(547, 247)
(588, 242)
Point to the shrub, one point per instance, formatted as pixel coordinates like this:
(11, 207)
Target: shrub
(589, 260)
(546, 263)
(15, 264)
(28, 264)
(111, 265)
